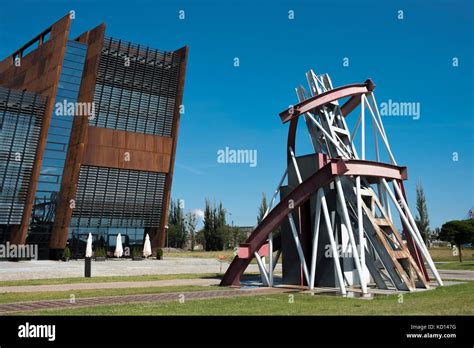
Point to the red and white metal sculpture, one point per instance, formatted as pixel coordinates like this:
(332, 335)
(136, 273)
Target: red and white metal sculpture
(355, 201)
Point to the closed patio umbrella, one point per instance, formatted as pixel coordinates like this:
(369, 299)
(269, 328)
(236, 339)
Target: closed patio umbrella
(89, 246)
(118, 247)
(147, 246)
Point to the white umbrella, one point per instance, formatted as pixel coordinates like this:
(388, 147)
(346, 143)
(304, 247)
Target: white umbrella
(89, 246)
(118, 246)
(147, 246)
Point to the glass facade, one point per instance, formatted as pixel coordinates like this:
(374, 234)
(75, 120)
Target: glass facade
(59, 132)
(104, 237)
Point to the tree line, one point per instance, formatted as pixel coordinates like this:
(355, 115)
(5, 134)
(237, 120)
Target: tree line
(216, 233)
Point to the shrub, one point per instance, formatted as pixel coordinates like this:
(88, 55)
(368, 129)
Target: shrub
(67, 253)
(100, 252)
(159, 253)
(136, 252)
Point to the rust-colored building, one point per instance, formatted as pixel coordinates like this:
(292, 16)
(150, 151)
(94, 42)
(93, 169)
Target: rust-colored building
(88, 133)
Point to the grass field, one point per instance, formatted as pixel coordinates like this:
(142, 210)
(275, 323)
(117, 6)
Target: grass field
(227, 254)
(465, 266)
(449, 300)
(446, 254)
(57, 281)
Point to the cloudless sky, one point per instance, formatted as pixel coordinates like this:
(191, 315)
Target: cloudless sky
(410, 60)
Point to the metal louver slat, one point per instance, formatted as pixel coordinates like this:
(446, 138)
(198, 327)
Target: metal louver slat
(118, 198)
(21, 115)
(136, 88)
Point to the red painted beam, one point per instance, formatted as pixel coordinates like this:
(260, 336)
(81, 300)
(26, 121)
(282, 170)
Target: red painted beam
(376, 169)
(327, 97)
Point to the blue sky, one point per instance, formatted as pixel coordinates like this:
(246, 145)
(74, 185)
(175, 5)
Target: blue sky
(410, 60)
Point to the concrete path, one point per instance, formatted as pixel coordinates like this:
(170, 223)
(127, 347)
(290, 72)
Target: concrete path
(455, 274)
(112, 267)
(110, 285)
(148, 298)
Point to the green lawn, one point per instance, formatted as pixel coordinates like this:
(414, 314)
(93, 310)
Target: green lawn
(449, 300)
(55, 281)
(446, 254)
(61, 295)
(227, 254)
(465, 266)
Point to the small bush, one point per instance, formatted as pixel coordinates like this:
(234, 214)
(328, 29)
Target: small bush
(159, 253)
(67, 253)
(100, 252)
(136, 252)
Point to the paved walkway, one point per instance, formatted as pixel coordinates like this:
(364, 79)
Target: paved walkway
(148, 298)
(113, 267)
(110, 285)
(455, 274)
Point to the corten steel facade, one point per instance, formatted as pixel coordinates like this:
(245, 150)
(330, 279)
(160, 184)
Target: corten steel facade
(104, 166)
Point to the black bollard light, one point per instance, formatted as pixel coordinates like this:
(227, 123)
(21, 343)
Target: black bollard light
(87, 267)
